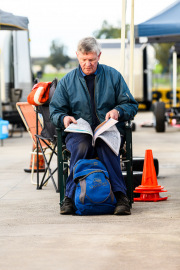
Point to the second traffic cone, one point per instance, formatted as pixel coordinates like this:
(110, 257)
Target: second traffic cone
(149, 189)
(41, 162)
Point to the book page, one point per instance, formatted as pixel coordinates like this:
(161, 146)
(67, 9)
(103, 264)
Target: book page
(112, 138)
(104, 126)
(82, 126)
(107, 131)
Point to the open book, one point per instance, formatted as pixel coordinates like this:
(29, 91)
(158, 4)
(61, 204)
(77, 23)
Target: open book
(107, 131)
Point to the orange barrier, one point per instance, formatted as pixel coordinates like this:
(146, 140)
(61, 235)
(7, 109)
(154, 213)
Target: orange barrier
(149, 189)
(28, 115)
(41, 161)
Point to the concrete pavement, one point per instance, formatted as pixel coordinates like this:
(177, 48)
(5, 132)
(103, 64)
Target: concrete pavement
(34, 236)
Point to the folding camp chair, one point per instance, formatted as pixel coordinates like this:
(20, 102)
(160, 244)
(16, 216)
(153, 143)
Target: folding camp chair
(64, 157)
(33, 125)
(46, 137)
(43, 132)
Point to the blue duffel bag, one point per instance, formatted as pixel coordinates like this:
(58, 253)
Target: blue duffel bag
(93, 194)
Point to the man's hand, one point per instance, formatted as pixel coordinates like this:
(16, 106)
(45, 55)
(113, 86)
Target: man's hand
(112, 114)
(68, 120)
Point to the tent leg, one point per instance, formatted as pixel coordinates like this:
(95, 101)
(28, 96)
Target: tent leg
(123, 34)
(174, 77)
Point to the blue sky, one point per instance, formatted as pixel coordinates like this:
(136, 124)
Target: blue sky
(70, 20)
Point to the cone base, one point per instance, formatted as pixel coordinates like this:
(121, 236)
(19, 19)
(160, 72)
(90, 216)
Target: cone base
(149, 191)
(149, 188)
(147, 197)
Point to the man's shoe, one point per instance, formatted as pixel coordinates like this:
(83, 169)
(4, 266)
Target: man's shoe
(67, 207)
(122, 206)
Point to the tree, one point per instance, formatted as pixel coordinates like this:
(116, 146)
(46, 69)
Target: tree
(163, 54)
(58, 58)
(108, 31)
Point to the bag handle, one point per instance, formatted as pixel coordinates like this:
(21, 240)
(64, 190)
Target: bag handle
(78, 179)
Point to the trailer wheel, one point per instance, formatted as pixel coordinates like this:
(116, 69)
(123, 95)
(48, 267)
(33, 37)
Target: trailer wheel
(159, 112)
(133, 126)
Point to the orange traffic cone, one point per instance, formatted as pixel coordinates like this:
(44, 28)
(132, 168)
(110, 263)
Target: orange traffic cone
(149, 188)
(41, 162)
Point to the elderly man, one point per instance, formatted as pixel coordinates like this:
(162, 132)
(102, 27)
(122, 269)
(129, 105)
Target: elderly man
(95, 93)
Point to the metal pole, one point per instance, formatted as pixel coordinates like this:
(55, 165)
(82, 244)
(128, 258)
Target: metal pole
(131, 68)
(174, 77)
(29, 52)
(123, 33)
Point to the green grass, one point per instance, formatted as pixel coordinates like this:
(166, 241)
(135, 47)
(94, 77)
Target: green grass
(159, 80)
(163, 81)
(48, 77)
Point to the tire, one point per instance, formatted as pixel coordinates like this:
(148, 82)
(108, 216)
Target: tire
(154, 108)
(133, 126)
(159, 112)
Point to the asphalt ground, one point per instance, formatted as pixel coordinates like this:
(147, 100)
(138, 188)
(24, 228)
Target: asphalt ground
(33, 235)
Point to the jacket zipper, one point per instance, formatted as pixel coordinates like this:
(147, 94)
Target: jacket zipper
(88, 92)
(95, 100)
(94, 97)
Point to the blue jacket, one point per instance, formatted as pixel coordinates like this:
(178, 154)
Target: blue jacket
(72, 97)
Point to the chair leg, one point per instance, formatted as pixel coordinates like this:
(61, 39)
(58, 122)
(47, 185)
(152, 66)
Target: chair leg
(44, 183)
(129, 166)
(47, 172)
(60, 166)
(48, 169)
(33, 164)
(32, 170)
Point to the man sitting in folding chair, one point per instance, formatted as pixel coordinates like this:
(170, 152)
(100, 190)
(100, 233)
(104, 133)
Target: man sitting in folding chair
(95, 93)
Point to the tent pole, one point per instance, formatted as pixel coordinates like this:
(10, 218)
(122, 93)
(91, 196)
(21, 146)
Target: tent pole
(123, 33)
(174, 77)
(131, 73)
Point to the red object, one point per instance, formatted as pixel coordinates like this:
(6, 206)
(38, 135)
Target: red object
(39, 94)
(149, 189)
(41, 162)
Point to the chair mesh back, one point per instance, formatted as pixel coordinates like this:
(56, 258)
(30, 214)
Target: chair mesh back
(49, 130)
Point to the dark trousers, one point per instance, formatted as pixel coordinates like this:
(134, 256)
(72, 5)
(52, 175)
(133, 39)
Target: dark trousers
(80, 146)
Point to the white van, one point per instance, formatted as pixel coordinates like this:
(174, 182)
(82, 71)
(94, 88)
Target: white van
(15, 69)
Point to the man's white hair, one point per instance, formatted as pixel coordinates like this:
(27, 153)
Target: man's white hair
(88, 44)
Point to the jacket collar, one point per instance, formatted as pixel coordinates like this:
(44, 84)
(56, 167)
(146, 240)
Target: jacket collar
(99, 68)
